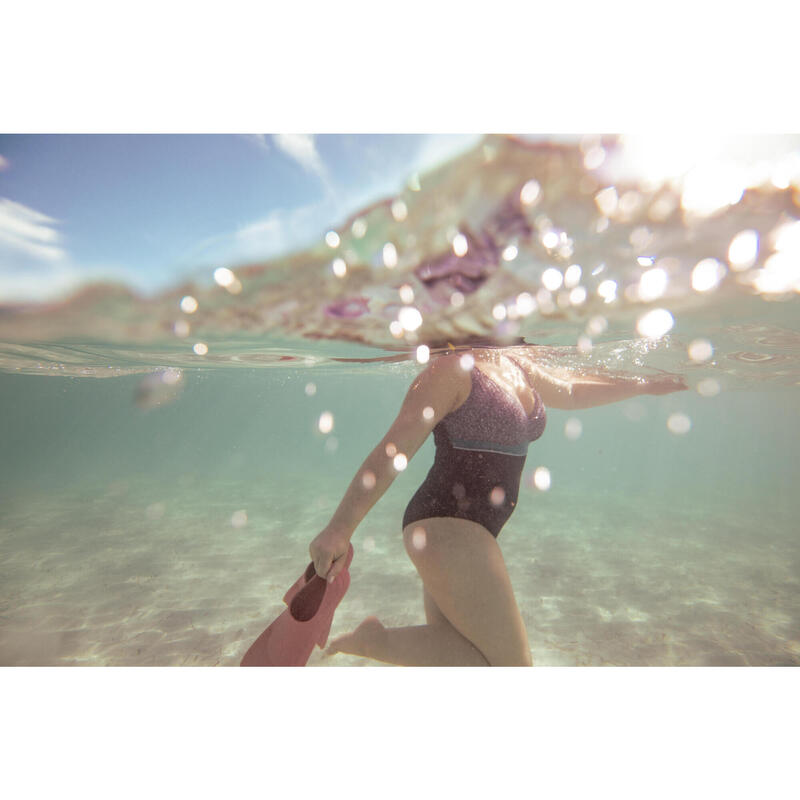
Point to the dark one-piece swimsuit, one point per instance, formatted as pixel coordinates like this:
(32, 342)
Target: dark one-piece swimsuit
(480, 452)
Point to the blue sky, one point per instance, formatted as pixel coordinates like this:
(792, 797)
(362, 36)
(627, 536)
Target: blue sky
(149, 210)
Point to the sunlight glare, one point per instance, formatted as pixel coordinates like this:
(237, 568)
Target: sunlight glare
(700, 350)
(541, 479)
(708, 387)
(460, 245)
(607, 201)
(188, 304)
(497, 496)
(399, 210)
(573, 428)
(707, 275)
(652, 284)
(406, 293)
(525, 304)
(529, 193)
(552, 279)
(224, 277)
(743, 250)
(577, 296)
(389, 255)
(550, 239)
(410, 318)
(419, 538)
(679, 424)
(654, 324)
(572, 275)
(181, 328)
(596, 325)
(608, 290)
(239, 519)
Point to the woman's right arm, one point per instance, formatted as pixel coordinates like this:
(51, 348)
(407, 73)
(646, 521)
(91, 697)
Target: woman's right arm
(440, 387)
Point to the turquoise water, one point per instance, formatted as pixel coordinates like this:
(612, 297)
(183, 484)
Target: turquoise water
(160, 523)
(118, 545)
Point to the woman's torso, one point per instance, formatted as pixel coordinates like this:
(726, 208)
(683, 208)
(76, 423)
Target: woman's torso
(481, 447)
(502, 412)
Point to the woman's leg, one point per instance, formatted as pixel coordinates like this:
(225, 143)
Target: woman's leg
(437, 644)
(413, 646)
(472, 615)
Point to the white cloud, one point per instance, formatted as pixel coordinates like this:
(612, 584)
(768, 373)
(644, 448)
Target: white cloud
(43, 252)
(283, 230)
(280, 231)
(23, 227)
(438, 148)
(301, 147)
(269, 226)
(42, 282)
(39, 285)
(260, 140)
(32, 264)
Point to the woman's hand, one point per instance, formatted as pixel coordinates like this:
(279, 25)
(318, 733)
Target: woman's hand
(328, 552)
(664, 384)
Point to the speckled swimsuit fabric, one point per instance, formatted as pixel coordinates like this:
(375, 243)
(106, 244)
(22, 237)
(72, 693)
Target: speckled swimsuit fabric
(491, 419)
(480, 453)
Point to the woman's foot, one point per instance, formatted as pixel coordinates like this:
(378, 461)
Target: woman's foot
(362, 641)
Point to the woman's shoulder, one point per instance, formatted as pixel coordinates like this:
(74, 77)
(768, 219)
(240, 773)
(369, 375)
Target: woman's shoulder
(445, 377)
(448, 368)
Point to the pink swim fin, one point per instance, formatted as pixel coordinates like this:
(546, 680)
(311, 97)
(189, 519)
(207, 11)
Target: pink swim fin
(290, 639)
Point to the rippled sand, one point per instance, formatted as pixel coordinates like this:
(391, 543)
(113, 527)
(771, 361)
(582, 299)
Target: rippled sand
(137, 575)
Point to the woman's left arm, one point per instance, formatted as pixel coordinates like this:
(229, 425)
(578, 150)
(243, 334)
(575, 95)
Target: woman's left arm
(566, 391)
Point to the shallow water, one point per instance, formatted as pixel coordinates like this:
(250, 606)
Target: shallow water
(118, 544)
(158, 517)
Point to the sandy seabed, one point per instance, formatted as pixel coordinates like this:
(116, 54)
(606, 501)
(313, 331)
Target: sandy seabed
(143, 575)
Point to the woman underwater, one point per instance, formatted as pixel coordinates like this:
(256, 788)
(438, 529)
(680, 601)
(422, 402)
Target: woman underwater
(484, 406)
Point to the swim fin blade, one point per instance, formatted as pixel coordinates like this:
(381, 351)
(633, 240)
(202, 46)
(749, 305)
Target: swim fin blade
(311, 602)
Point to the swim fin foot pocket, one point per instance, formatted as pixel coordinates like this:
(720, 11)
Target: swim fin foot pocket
(305, 604)
(290, 639)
